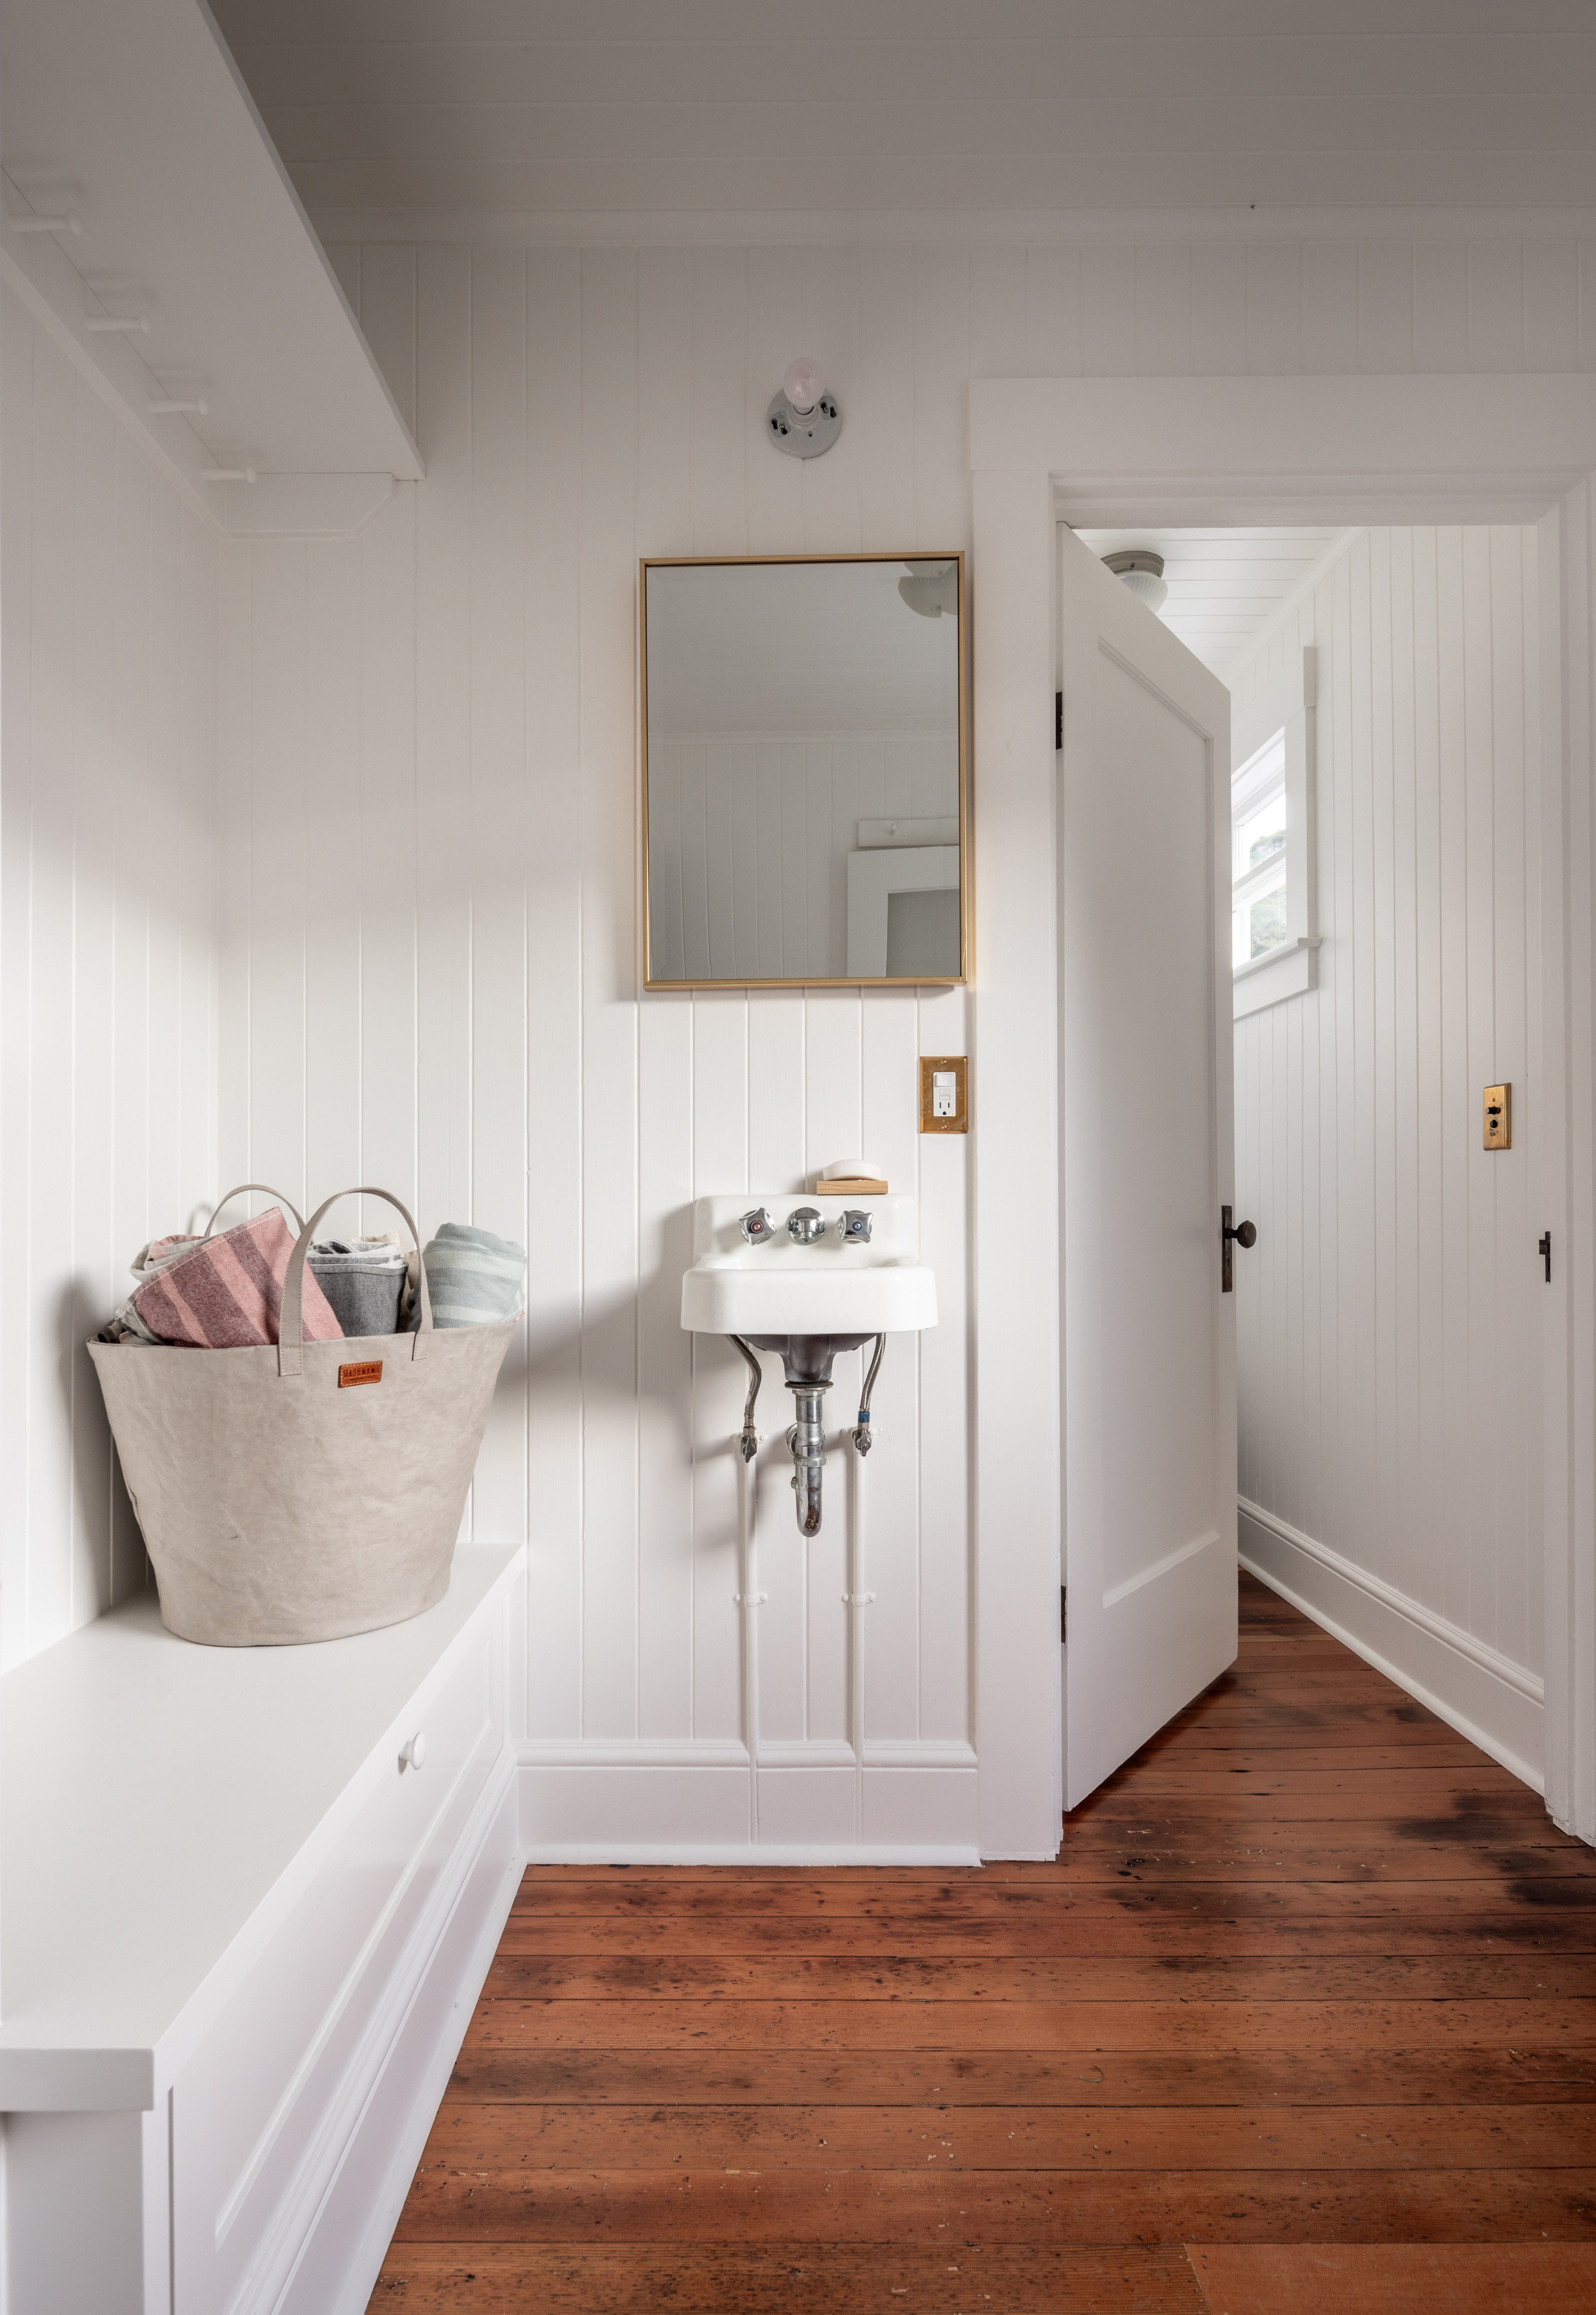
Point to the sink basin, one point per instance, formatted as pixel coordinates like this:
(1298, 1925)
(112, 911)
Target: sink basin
(828, 1288)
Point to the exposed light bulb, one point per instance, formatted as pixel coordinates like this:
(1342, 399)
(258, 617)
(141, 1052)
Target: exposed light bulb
(802, 385)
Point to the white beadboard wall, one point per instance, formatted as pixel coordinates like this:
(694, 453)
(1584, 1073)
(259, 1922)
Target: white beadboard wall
(1389, 1316)
(108, 950)
(432, 976)
(750, 840)
(431, 982)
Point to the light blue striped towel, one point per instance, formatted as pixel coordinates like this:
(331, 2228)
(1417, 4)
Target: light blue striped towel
(475, 1278)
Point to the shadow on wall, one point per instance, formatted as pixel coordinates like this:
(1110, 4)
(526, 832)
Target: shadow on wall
(107, 1549)
(593, 1349)
(602, 1333)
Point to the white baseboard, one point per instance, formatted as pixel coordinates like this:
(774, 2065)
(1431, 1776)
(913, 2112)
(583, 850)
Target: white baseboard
(748, 1852)
(1497, 1704)
(649, 1802)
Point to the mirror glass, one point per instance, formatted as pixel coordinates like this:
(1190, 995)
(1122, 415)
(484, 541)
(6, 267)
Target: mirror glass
(803, 770)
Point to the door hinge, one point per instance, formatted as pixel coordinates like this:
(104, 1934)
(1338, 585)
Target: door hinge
(1544, 1251)
(1058, 721)
(1063, 1612)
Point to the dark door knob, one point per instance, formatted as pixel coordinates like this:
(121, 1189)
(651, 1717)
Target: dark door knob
(1232, 1234)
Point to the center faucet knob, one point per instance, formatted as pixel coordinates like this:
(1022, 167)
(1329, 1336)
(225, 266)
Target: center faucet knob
(804, 1224)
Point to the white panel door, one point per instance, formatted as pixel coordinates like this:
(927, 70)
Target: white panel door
(1146, 1138)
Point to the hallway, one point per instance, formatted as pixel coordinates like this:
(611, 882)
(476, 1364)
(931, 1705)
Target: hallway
(1302, 2017)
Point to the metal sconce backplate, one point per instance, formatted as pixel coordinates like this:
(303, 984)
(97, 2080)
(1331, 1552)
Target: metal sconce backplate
(803, 433)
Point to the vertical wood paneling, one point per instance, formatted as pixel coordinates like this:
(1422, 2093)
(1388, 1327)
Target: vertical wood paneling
(555, 1189)
(472, 1017)
(107, 919)
(1108, 309)
(666, 1542)
(609, 1119)
(1441, 305)
(1388, 1372)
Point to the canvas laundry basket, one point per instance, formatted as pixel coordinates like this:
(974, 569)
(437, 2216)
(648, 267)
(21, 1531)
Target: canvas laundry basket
(302, 1490)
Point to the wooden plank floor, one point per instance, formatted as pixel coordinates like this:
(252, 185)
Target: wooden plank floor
(1303, 2018)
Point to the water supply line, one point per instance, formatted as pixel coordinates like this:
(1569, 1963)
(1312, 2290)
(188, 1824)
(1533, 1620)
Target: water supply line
(861, 1430)
(750, 1441)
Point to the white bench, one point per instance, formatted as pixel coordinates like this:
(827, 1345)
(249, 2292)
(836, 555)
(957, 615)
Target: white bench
(241, 1941)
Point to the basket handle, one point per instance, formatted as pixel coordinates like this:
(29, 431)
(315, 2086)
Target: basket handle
(290, 1326)
(266, 1191)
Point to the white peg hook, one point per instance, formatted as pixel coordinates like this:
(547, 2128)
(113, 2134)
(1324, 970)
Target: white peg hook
(412, 1752)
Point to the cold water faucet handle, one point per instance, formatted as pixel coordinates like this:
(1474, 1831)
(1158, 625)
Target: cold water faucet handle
(853, 1228)
(805, 1225)
(757, 1226)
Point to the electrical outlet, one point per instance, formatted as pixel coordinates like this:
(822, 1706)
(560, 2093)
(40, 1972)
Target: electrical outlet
(1498, 1132)
(944, 1094)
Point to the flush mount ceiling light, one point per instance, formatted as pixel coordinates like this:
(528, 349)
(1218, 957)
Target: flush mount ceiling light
(1141, 570)
(931, 593)
(803, 419)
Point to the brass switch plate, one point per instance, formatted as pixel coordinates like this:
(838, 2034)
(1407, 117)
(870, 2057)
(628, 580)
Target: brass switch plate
(945, 1092)
(1499, 1117)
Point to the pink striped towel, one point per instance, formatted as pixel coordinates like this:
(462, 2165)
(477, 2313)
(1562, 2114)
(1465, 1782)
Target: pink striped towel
(227, 1293)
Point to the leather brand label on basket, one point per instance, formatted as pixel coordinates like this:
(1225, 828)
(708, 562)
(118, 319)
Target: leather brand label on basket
(360, 1371)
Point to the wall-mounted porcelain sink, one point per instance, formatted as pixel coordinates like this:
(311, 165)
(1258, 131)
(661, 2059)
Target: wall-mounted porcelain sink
(828, 1286)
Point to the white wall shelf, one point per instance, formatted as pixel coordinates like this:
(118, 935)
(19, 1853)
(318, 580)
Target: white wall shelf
(134, 118)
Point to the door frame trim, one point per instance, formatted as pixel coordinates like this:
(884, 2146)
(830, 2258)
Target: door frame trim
(1456, 447)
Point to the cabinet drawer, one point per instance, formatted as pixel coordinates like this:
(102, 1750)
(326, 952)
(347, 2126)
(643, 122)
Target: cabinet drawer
(260, 2112)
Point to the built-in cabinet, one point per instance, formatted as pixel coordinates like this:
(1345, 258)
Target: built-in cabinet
(235, 1993)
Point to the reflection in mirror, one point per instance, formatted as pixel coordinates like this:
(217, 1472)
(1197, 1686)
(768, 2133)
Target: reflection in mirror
(802, 770)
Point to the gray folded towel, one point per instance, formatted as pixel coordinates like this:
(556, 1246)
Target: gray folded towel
(473, 1278)
(364, 1281)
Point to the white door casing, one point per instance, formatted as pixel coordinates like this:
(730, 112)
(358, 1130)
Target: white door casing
(1147, 1130)
(1443, 447)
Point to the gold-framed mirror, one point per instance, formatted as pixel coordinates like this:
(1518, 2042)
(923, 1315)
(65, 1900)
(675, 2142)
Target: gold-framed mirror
(805, 771)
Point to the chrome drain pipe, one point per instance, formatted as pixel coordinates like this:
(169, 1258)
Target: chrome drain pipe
(807, 1440)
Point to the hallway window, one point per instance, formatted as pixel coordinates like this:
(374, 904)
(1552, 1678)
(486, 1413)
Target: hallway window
(1275, 938)
(1258, 863)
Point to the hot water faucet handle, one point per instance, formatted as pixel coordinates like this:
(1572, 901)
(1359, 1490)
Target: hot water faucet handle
(757, 1226)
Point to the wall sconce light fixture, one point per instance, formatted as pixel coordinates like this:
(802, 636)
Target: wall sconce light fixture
(803, 419)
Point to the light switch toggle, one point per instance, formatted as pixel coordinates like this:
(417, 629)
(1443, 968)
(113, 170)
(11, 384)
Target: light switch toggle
(1498, 1121)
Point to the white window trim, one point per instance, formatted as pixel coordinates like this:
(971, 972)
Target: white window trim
(1286, 704)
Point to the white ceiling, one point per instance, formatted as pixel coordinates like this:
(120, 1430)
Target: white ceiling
(779, 118)
(1224, 585)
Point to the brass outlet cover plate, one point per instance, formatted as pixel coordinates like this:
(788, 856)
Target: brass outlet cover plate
(944, 1107)
(1498, 1117)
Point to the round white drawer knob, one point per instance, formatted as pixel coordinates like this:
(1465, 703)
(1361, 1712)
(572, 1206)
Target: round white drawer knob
(414, 1753)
